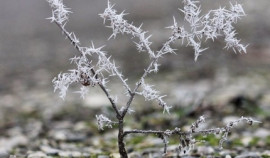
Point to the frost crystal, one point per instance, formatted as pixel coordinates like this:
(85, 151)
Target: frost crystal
(151, 94)
(60, 11)
(84, 90)
(103, 121)
(232, 124)
(212, 25)
(120, 25)
(196, 124)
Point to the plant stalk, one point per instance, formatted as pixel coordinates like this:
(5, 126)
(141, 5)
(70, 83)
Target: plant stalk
(121, 144)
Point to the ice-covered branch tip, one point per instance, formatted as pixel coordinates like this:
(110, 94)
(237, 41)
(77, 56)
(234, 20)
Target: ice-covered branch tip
(120, 25)
(212, 25)
(232, 124)
(151, 94)
(60, 12)
(103, 121)
(196, 124)
(84, 73)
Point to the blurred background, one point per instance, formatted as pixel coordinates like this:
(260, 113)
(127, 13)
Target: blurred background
(221, 85)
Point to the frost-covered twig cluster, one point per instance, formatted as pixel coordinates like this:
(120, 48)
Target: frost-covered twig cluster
(103, 121)
(186, 139)
(214, 24)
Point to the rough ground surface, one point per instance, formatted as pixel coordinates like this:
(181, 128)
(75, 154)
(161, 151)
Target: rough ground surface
(34, 125)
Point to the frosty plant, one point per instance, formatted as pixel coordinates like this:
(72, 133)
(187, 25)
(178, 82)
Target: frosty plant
(214, 24)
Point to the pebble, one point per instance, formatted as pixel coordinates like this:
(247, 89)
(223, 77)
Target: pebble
(33, 129)
(249, 155)
(15, 131)
(86, 155)
(38, 154)
(225, 152)
(103, 156)
(228, 156)
(9, 143)
(266, 153)
(115, 155)
(204, 150)
(70, 154)
(3, 153)
(262, 133)
(65, 135)
(49, 151)
(81, 126)
(59, 135)
(246, 140)
(64, 154)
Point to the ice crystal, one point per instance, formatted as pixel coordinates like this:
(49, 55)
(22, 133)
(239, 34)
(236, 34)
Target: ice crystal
(103, 121)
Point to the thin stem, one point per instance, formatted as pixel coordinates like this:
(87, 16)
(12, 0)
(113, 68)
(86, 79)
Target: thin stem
(173, 132)
(146, 72)
(68, 36)
(165, 142)
(121, 144)
(111, 100)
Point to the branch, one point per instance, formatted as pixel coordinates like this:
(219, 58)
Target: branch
(153, 63)
(79, 49)
(186, 137)
(120, 25)
(60, 17)
(110, 99)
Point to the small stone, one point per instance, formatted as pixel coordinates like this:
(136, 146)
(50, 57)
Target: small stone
(8, 144)
(70, 154)
(92, 150)
(76, 137)
(48, 150)
(3, 153)
(33, 129)
(59, 135)
(205, 150)
(76, 154)
(64, 154)
(228, 156)
(63, 125)
(68, 146)
(81, 126)
(225, 152)
(96, 141)
(262, 133)
(246, 140)
(38, 154)
(134, 155)
(15, 131)
(249, 155)
(86, 155)
(266, 153)
(115, 155)
(103, 156)
(65, 135)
